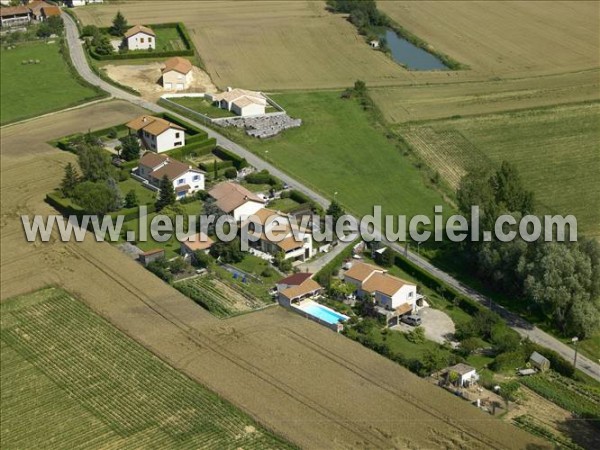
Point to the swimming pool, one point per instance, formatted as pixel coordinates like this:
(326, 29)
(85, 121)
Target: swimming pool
(324, 313)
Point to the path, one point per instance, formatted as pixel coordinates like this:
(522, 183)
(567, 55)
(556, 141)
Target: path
(524, 328)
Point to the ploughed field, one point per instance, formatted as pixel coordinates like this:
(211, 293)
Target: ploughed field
(556, 151)
(292, 376)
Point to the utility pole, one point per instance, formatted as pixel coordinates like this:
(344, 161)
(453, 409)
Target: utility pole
(575, 341)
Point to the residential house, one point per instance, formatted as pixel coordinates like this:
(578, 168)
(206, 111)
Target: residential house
(193, 243)
(241, 102)
(177, 74)
(73, 3)
(156, 134)
(236, 200)
(308, 288)
(49, 11)
(295, 279)
(393, 296)
(186, 180)
(140, 37)
(463, 374)
(37, 10)
(15, 16)
(275, 233)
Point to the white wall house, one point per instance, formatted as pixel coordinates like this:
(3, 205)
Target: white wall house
(241, 102)
(157, 135)
(140, 38)
(465, 375)
(186, 180)
(236, 200)
(276, 233)
(82, 2)
(177, 74)
(388, 291)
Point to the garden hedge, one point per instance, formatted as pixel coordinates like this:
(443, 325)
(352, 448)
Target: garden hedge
(226, 155)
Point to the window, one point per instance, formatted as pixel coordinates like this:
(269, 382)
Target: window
(142, 40)
(180, 181)
(149, 40)
(177, 135)
(410, 294)
(196, 178)
(177, 144)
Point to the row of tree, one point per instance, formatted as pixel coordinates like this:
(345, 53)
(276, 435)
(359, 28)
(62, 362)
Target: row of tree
(560, 280)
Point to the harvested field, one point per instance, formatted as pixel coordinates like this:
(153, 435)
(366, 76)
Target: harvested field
(506, 37)
(298, 379)
(443, 100)
(556, 151)
(266, 45)
(145, 78)
(63, 362)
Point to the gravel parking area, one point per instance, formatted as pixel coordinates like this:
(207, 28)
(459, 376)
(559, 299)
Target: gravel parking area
(438, 325)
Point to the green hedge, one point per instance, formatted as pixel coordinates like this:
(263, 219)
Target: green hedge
(224, 154)
(210, 167)
(63, 205)
(203, 147)
(323, 276)
(300, 197)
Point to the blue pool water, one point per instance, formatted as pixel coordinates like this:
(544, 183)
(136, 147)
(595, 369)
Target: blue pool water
(325, 314)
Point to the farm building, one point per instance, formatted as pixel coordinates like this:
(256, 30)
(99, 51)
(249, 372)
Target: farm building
(156, 134)
(464, 375)
(193, 243)
(241, 102)
(41, 10)
(390, 293)
(177, 74)
(151, 256)
(186, 180)
(15, 16)
(308, 288)
(274, 233)
(540, 362)
(236, 200)
(140, 37)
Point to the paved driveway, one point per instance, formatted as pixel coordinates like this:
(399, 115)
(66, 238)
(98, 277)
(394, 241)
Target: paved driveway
(438, 325)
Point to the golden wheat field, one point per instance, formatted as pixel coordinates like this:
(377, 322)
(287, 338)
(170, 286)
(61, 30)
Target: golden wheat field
(314, 387)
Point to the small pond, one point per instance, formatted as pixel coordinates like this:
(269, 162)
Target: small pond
(409, 55)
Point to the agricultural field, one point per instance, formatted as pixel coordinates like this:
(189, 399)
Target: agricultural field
(556, 151)
(50, 85)
(338, 149)
(63, 365)
(168, 39)
(264, 363)
(507, 38)
(266, 45)
(220, 298)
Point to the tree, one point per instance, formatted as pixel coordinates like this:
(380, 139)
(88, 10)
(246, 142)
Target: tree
(117, 196)
(335, 210)
(230, 173)
(44, 31)
(178, 265)
(131, 199)
(69, 181)
(508, 391)
(94, 163)
(90, 30)
(285, 265)
(55, 24)
(166, 194)
(210, 209)
(119, 25)
(201, 259)
(102, 45)
(215, 169)
(386, 259)
(130, 147)
(94, 197)
(340, 289)
(160, 268)
(228, 252)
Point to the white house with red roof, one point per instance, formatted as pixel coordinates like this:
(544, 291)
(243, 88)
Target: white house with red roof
(241, 102)
(140, 37)
(186, 180)
(235, 200)
(157, 134)
(177, 74)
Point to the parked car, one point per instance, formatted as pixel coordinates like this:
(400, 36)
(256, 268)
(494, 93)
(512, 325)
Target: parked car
(411, 319)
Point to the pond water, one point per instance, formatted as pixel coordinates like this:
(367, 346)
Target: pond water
(410, 55)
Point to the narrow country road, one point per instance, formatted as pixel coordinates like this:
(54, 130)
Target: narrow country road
(524, 328)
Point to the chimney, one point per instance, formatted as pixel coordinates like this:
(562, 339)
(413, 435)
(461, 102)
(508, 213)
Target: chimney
(229, 89)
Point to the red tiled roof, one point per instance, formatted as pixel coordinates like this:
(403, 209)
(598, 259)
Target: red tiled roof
(295, 279)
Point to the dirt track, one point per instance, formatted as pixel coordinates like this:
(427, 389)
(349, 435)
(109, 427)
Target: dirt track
(313, 386)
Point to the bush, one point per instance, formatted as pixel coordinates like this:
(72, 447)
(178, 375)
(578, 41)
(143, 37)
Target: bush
(230, 173)
(160, 268)
(123, 175)
(416, 336)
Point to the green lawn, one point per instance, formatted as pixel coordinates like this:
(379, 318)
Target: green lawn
(168, 39)
(338, 149)
(145, 196)
(284, 204)
(202, 106)
(29, 90)
(72, 380)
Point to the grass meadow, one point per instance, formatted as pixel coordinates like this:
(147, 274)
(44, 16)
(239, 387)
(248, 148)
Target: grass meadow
(555, 149)
(338, 149)
(29, 90)
(71, 380)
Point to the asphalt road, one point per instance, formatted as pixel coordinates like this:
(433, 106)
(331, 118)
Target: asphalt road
(524, 328)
